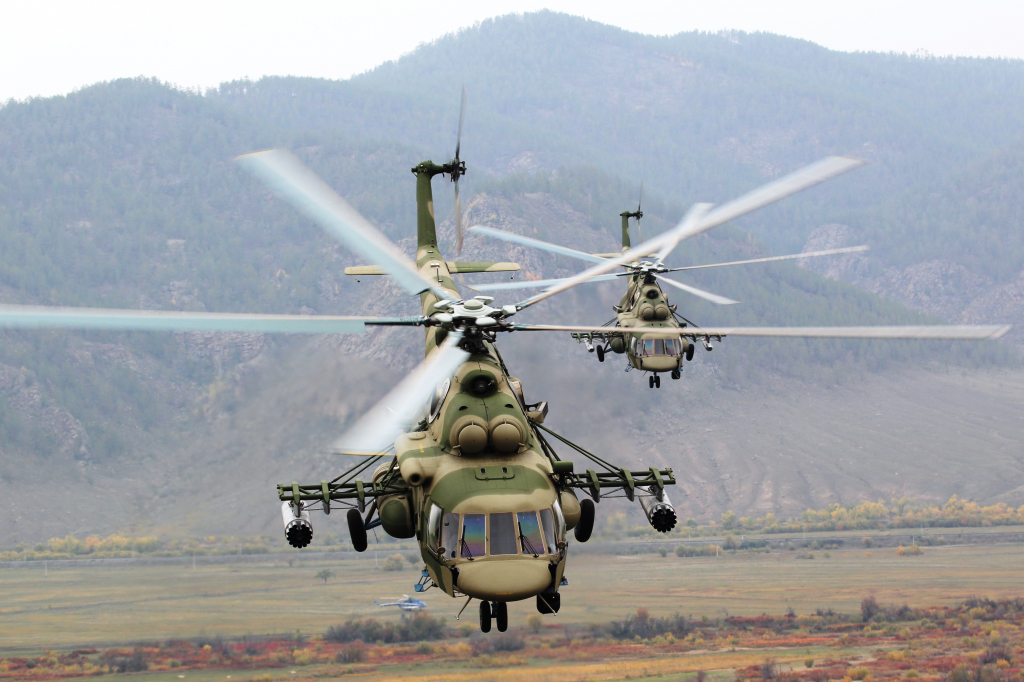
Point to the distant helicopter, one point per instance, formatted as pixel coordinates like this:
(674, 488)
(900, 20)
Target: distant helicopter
(473, 476)
(644, 307)
(406, 603)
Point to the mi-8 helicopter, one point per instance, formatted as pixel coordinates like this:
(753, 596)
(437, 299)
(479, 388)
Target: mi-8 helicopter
(649, 330)
(473, 476)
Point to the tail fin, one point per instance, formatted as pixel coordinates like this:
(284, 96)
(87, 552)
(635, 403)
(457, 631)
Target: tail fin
(626, 215)
(426, 230)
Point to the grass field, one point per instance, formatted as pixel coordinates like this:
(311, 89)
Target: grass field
(117, 602)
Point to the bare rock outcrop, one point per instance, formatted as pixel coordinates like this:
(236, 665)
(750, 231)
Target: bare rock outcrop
(939, 287)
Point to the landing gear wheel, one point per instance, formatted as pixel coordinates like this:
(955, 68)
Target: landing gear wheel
(600, 353)
(356, 530)
(689, 353)
(650, 381)
(485, 616)
(657, 381)
(500, 611)
(585, 526)
(676, 374)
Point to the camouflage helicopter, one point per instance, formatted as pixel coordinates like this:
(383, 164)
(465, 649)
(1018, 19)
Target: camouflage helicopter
(460, 459)
(649, 330)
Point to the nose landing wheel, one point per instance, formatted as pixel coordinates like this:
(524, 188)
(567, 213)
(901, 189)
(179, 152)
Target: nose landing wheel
(500, 611)
(654, 381)
(485, 616)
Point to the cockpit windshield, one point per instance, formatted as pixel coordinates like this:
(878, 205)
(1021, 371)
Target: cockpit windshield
(473, 534)
(528, 533)
(660, 347)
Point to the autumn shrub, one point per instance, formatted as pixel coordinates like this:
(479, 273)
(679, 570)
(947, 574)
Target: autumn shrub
(503, 643)
(858, 673)
(130, 664)
(994, 655)
(395, 562)
(353, 652)
(421, 626)
(868, 608)
(691, 550)
(642, 625)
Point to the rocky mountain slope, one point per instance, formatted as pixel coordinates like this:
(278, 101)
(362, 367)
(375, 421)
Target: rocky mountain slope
(124, 195)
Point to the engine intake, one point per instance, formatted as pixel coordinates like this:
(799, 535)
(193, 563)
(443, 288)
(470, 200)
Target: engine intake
(658, 509)
(298, 529)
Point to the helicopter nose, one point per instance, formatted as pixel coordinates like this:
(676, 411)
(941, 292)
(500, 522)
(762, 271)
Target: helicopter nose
(509, 580)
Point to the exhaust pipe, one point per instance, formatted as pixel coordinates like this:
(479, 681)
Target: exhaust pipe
(297, 528)
(658, 509)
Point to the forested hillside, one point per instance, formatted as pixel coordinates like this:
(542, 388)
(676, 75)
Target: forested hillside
(124, 194)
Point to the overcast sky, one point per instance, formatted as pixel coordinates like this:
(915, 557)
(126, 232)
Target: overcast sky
(51, 47)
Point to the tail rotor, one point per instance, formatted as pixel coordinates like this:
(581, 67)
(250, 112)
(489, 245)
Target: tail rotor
(456, 169)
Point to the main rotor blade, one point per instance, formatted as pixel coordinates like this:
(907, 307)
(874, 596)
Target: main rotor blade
(791, 184)
(696, 212)
(940, 332)
(52, 317)
(536, 243)
(298, 185)
(793, 256)
(534, 283)
(706, 295)
(397, 412)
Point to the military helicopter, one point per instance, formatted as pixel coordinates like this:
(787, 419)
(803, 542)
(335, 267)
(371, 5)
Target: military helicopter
(649, 330)
(406, 604)
(462, 460)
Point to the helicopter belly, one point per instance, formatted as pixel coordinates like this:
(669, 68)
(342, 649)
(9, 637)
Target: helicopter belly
(656, 363)
(504, 579)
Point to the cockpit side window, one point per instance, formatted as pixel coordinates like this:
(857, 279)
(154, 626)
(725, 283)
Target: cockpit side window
(433, 526)
(548, 522)
(449, 536)
(559, 522)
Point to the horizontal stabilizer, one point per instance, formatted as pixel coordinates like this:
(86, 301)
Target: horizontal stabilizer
(462, 267)
(453, 267)
(365, 270)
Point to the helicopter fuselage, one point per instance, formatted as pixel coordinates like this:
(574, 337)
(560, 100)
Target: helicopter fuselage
(483, 504)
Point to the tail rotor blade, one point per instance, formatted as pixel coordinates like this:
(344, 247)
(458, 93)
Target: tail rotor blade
(457, 170)
(640, 214)
(462, 116)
